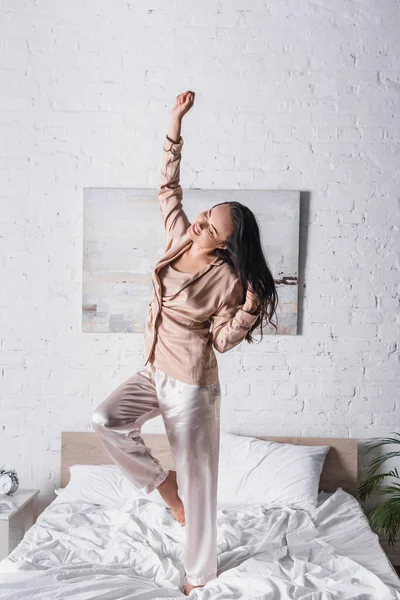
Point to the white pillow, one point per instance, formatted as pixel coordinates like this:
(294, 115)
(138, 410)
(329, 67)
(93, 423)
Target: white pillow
(105, 485)
(251, 471)
(254, 471)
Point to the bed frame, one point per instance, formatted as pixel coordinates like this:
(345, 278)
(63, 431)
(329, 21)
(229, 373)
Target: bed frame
(340, 467)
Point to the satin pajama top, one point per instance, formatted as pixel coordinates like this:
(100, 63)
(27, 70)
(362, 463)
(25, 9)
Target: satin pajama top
(191, 314)
(171, 280)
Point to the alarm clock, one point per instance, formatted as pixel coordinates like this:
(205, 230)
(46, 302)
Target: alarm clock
(9, 481)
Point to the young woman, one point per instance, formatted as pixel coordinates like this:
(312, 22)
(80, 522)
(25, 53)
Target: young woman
(211, 289)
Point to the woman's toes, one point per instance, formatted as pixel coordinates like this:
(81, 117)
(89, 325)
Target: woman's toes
(168, 490)
(179, 515)
(188, 588)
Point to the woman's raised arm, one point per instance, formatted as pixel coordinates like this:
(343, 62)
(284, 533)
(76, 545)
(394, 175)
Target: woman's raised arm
(170, 194)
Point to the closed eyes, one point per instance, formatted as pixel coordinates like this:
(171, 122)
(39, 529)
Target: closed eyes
(209, 214)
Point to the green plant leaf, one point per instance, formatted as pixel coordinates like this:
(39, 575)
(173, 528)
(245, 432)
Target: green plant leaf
(386, 517)
(393, 489)
(371, 444)
(367, 486)
(378, 461)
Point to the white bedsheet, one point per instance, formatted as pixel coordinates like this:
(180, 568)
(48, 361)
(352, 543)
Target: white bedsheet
(82, 551)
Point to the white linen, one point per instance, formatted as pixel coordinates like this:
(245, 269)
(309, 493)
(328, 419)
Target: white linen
(251, 471)
(275, 474)
(105, 485)
(134, 550)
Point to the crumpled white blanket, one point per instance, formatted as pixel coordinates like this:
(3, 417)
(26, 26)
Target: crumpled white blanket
(133, 551)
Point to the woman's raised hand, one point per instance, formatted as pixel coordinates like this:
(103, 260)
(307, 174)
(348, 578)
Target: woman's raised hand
(184, 103)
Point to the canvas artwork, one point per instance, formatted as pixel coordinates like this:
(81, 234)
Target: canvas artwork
(124, 237)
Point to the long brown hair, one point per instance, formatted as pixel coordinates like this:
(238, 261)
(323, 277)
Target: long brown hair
(245, 254)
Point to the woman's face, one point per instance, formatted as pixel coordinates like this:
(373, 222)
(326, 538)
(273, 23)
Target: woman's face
(212, 227)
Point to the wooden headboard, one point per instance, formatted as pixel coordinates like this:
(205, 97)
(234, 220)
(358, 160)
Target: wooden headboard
(340, 467)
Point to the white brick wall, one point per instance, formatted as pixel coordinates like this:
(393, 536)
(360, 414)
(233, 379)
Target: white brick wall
(289, 96)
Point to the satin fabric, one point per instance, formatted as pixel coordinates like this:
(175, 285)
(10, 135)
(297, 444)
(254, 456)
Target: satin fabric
(171, 280)
(205, 311)
(191, 416)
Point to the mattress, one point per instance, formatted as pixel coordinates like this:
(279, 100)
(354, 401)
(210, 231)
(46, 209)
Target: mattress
(134, 550)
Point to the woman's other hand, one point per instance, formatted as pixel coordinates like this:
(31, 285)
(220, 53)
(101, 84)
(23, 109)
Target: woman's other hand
(251, 304)
(184, 103)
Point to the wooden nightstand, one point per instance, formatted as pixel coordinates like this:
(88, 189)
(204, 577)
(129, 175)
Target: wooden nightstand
(15, 523)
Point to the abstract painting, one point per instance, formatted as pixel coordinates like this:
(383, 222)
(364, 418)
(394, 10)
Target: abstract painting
(123, 238)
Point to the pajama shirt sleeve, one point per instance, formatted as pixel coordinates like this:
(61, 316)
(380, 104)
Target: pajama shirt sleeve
(170, 194)
(230, 323)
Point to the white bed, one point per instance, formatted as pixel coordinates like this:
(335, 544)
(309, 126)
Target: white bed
(133, 550)
(83, 551)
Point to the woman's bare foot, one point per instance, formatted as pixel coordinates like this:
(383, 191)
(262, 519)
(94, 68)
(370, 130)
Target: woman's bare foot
(188, 588)
(169, 492)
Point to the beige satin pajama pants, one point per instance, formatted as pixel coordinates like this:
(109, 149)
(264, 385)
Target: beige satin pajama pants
(191, 415)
